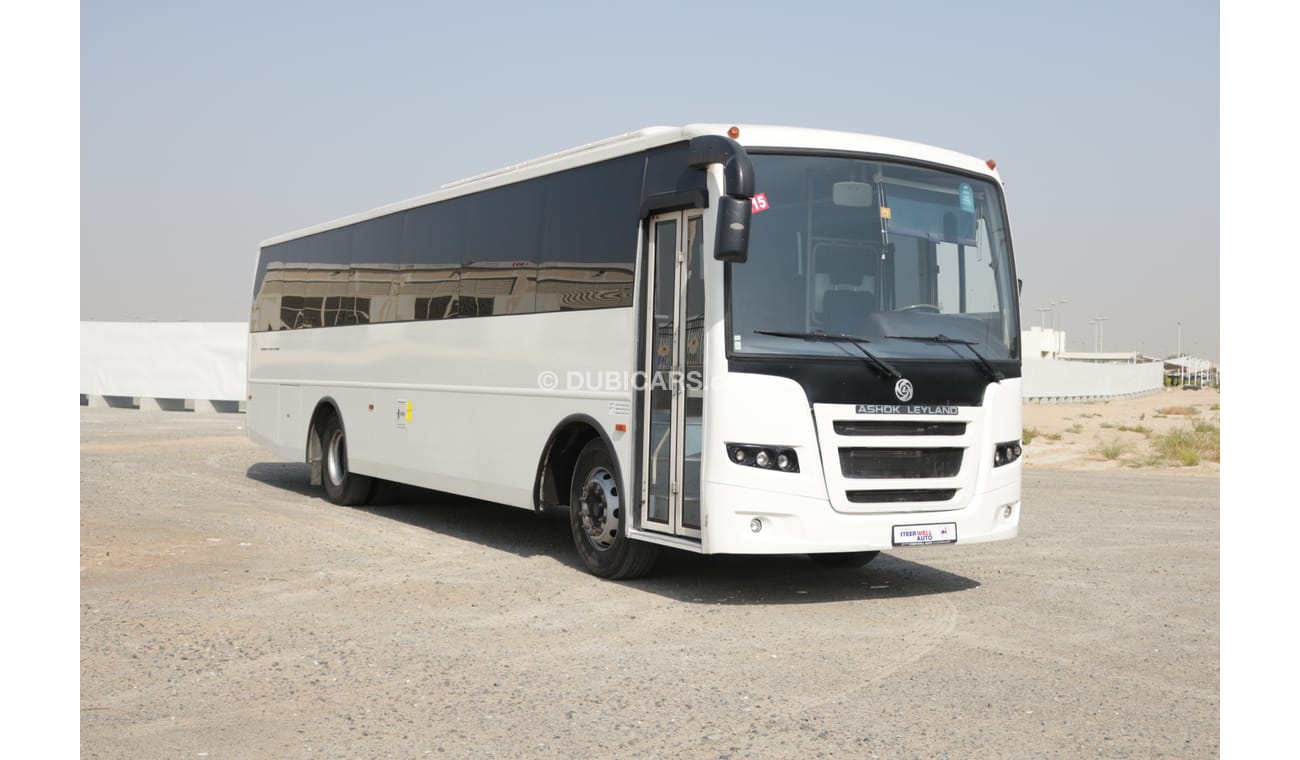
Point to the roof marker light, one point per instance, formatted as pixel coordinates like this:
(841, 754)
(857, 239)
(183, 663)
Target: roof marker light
(733, 133)
(991, 164)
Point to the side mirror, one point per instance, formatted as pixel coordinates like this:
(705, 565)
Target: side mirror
(732, 242)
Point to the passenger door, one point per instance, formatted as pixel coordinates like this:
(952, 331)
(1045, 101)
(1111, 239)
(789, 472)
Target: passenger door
(673, 416)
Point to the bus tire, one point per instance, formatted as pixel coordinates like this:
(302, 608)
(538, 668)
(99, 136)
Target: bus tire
(342, 486)
(844, 559)
(597, 516)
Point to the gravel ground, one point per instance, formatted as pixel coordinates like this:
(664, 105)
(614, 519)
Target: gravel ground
(226, 611)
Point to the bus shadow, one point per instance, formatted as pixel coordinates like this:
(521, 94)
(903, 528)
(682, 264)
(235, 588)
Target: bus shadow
(287, 476)
(520, 532)
(678, 575)
(785, 579)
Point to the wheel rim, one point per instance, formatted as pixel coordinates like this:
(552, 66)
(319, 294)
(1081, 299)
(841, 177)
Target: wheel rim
(336, 458)
(599, 508)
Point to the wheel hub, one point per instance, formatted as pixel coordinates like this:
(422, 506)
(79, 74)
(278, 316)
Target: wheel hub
(334, 467)
(598, 508)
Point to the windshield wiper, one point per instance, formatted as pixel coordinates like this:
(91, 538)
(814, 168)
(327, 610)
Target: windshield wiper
(877, 363)
(989, 370)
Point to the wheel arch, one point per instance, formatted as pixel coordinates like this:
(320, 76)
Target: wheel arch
(555, 467)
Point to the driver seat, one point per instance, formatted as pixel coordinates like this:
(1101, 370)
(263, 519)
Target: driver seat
(845, 306)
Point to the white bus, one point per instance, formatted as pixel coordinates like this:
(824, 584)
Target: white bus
(752, 340)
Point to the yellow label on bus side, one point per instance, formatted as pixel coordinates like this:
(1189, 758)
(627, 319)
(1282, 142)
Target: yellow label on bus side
(403, 413)
(884, 212)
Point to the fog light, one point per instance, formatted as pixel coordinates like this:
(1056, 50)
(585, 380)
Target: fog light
(762, 459)
(756, 525)
(783, 461)
(1006, 511)
(739, 456)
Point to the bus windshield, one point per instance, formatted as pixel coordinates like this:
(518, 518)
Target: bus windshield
(887, 252)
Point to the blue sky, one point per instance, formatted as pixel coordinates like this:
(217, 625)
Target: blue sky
(206, 128)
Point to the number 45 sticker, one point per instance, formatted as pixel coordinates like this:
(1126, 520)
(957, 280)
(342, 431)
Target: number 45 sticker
(758, 203)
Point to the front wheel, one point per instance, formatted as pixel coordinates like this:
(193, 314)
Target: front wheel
(342, 486)
(598, 516)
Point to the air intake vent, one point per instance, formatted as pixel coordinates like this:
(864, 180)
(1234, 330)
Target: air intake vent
(898, 427)
(903, 495)
(900, 463)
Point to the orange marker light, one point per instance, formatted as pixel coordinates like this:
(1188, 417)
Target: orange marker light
(733, 133)
(620, 427)
(991, 164)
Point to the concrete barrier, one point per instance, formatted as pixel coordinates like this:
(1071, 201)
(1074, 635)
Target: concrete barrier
(165, 366)
(1056, 381)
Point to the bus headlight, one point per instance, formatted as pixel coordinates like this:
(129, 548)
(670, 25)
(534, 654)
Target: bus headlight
(763, 457)
(1006, 453)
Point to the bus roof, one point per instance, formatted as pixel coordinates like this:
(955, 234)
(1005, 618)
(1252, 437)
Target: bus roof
(751, 137)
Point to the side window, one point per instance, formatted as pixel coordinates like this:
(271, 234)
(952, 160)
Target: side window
(965, 279)
(950, 278)
(590, 236)
(981, 279)
(498, 271)
(428, 279)
(376, 253)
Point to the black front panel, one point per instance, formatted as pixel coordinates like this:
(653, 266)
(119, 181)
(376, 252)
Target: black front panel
(900, 463)
(851, 381)
(899, 427)
(901, 495)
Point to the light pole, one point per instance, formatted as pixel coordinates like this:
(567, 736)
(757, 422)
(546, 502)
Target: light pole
(1060, 324)
(1042, 319)
(1180, 338)
(1101, 333)
(1093, 325)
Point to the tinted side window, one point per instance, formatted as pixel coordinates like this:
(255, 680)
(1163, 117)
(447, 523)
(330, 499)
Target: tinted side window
(555, 243)
(498, 272)
(429, 276)
(590, 237)
(374, 270)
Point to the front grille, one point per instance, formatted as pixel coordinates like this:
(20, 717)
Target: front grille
(898, 427)
(900, 463)
(900, 495)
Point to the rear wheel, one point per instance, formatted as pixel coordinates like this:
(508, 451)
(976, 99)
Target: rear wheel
(844, 559)
(342, 486)
(598, 517)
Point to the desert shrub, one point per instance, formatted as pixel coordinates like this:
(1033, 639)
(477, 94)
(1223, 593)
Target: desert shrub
(1112, 449)
(1184, 411)
(1143, 429)
(1188, 446)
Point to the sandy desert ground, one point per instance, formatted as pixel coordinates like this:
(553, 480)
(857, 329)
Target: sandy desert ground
(1123, 434)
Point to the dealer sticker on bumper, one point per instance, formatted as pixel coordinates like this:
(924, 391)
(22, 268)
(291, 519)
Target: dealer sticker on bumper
(937, 533)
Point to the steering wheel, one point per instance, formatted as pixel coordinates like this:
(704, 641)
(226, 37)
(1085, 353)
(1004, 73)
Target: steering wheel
(927, 307)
